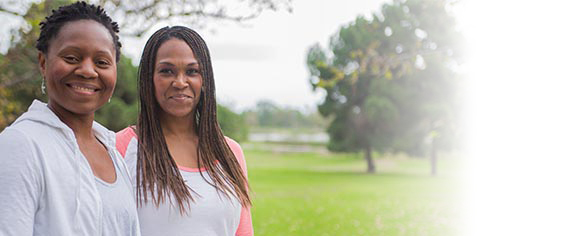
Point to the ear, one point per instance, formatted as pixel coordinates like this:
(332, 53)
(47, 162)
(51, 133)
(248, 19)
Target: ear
(42, 63)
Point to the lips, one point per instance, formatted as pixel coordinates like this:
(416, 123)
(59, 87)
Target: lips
(83, 87)
(180, 96)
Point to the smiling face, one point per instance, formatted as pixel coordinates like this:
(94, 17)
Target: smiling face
(177, 79)
(79, 68)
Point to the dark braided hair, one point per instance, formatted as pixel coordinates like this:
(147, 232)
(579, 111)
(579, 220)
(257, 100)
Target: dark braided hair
(157, 172)
(52, 24)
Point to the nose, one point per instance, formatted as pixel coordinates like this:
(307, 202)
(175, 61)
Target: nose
(86, 69)
(180, 81)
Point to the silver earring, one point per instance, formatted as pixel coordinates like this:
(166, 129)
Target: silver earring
(109, 101)
(43, 87)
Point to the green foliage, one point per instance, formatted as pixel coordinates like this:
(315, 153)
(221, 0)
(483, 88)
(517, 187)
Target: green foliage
(388, 80)
(232, 124)
(8, 111)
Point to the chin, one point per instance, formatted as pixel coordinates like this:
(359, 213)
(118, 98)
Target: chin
(180, 113)
(85, 109)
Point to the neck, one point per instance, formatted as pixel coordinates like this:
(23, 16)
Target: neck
(81, 124)
(178, 126)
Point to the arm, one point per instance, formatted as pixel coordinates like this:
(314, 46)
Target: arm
(20, 183)
(245, 227)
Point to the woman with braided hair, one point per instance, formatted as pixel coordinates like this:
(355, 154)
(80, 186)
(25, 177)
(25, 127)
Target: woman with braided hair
(60, 171)
(189, 179)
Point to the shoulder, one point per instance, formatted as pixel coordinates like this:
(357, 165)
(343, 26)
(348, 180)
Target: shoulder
(238, 152)
(123, 138)
(34, 130)
(14, 139)
(19, 151)
(234, 146)
(127, 133)
(25, 137)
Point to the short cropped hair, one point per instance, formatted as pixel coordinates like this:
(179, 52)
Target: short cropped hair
(50, 27)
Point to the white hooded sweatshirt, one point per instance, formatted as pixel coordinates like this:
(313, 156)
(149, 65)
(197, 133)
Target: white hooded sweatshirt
(47, 186)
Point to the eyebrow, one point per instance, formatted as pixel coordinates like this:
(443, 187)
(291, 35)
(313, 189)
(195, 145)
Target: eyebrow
(78, 49)
(170, 64)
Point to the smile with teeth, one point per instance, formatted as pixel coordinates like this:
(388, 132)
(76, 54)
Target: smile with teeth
(82, 88)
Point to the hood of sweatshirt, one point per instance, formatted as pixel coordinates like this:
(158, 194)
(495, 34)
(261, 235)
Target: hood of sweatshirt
(41, 113)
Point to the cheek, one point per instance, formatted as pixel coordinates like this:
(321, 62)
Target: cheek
(159, 89)
(196, 85)
(56, 71)
(110, 78)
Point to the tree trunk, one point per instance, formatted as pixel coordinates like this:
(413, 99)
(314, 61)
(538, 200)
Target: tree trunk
(433, 157)
(371, 165)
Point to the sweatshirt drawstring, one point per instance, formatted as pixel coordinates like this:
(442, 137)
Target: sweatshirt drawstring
(78, 190)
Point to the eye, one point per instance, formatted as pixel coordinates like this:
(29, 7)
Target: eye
(71, 59)
(166, 71)
(103, 63)
(192, 72)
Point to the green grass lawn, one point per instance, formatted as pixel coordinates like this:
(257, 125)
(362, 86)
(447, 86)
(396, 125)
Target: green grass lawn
(330, 194)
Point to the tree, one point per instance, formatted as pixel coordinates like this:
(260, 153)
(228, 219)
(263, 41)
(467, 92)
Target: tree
(389, 80)
(232, 124)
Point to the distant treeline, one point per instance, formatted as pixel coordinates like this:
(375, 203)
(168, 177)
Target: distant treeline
(268, 114)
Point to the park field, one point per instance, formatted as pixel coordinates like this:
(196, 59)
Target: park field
(317, 193)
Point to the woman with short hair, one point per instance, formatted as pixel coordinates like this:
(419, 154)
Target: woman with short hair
(60, 171)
